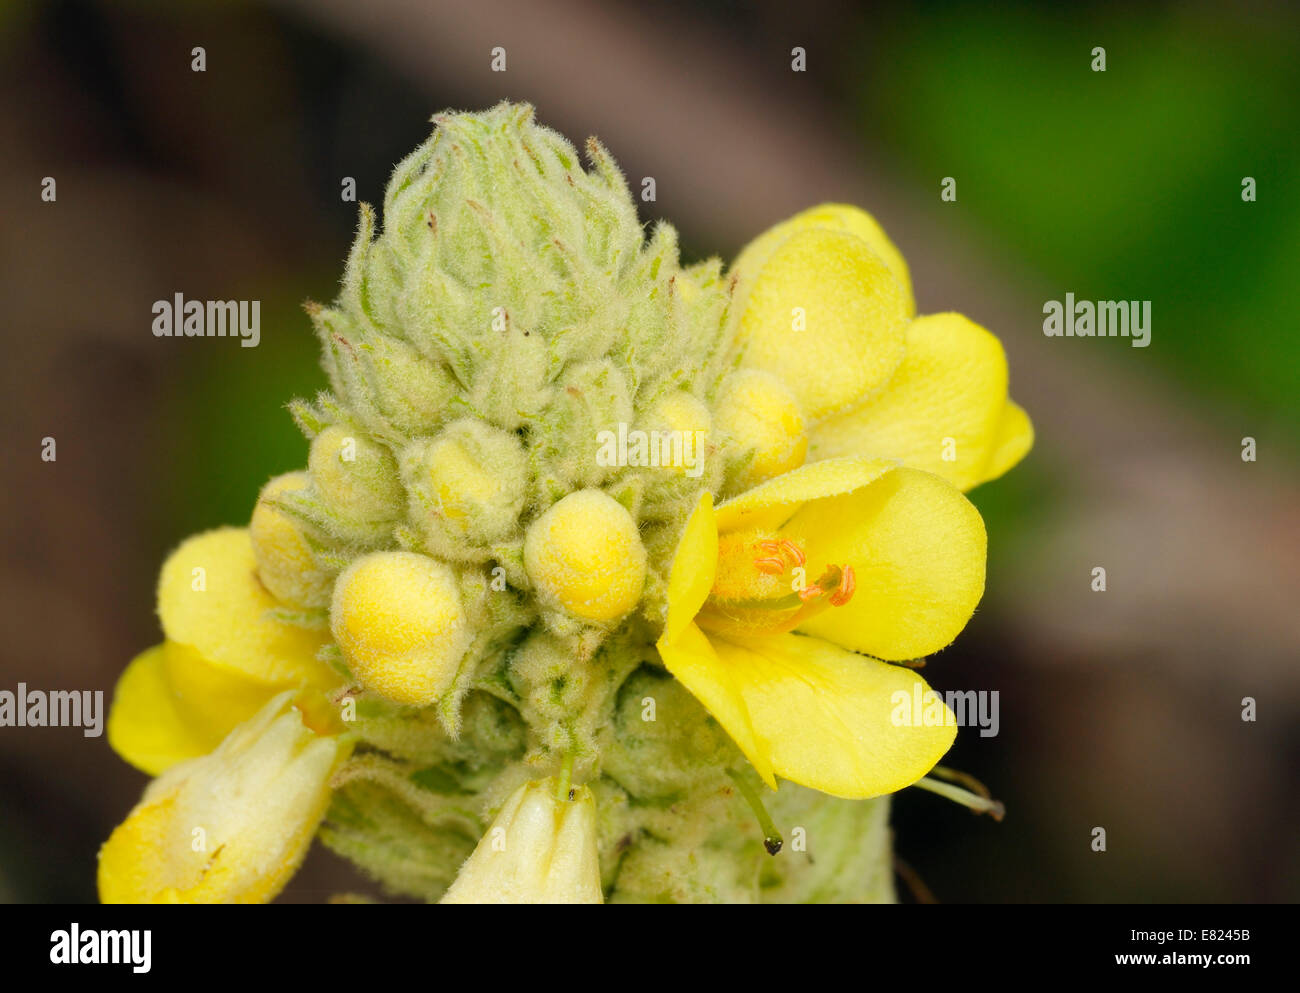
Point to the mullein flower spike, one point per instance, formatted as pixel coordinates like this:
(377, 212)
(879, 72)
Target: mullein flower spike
(590, 545)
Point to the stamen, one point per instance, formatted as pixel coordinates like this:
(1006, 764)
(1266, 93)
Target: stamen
(844, 591)
(978, 804)
(749, 600)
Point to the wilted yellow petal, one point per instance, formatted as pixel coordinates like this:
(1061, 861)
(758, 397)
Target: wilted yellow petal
(541, 848)
(825, 314)
(941, 410)
(229, 827)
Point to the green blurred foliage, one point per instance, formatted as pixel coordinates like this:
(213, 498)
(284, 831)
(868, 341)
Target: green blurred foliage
(1123, 184)
(232, 431)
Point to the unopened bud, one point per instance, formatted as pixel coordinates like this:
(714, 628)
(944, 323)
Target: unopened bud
(541, 848)
(585, 557)
(763, 428)
(467, 486)
(286, 563)
(357, 479)
(400, 623)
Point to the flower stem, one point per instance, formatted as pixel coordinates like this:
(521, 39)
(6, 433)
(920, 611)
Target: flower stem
(565, 778)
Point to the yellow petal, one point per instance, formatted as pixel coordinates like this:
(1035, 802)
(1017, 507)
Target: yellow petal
(825, 314)
(692, 658)
(838, 217)
(144, 724)
(917, 547)
(941, 410)
(829, 717)
(771, 504)
(212, 699)
(694, 568)
(210, 599)
(229, 827)
(1015, 436)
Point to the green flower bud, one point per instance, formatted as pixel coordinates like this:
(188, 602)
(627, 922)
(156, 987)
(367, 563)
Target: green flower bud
(356, 478)
(591, 398)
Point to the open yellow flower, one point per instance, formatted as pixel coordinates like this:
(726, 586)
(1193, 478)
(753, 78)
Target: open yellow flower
(824, 301)
(223, 658)
(229, 827)
(773, 595)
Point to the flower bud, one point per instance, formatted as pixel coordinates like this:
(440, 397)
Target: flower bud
(400, 623)
(467, 486)
(541, 848)
(285, 561)
(585, 557)
(409, 390)
(230, 827)
(591, 398)
(685, 422)
(357, 479)
(763, 428)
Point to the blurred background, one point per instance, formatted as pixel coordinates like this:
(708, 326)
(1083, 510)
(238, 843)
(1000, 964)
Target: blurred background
(1119, 709)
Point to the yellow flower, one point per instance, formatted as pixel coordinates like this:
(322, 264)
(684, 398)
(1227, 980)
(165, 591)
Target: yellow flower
(541, 848)
(825, 303)
(224, 656)
(771, 597)
(229, 827)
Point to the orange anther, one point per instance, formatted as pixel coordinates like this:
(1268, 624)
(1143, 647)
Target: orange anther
(794, 551)
(773, 567)
(844, 591)
(810, 593)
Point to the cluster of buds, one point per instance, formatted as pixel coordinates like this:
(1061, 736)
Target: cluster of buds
(457, 527)
(532, 663)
